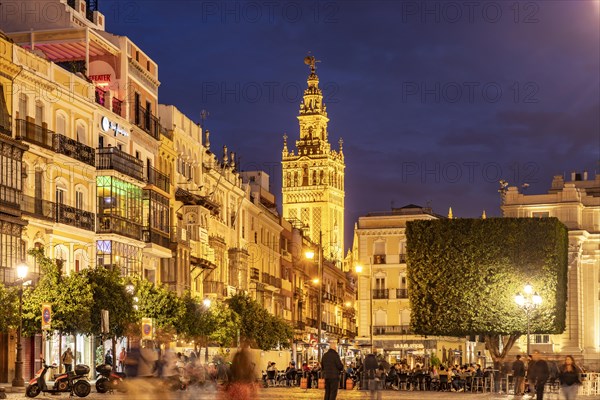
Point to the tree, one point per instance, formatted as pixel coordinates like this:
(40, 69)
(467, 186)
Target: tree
(262, 329)
(464, 274)
(70, 296)
(9, 306)
(109, 293)
(160, 304)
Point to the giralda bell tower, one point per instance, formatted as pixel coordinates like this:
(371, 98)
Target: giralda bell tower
(313, 174)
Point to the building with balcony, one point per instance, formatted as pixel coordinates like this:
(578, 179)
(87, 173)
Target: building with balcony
(12, 224)
(383, 306)
(576, 203)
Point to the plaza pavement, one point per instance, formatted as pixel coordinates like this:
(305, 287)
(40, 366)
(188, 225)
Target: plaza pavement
(295, 394)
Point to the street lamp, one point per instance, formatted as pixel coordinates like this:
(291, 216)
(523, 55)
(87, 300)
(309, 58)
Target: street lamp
(528, 302)
(359, 269)
(22, 270)
(310, 254)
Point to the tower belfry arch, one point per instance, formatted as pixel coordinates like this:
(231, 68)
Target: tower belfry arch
(313, 173)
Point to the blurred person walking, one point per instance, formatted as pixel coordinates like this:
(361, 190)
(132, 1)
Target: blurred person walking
(242, 378)
(518, 369)
(538, 373)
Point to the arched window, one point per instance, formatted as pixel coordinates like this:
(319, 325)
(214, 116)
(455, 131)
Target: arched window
(39, 113)
(23, 106)
(61, 124)
(81, 132)
(60, 194)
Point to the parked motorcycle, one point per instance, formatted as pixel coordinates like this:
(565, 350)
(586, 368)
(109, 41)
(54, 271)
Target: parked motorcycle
(109, 380)
(74, 382)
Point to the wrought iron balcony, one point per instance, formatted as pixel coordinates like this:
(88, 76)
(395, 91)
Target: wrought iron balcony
(254, 274)
(381, 293)
(59, 213)
(311, 322)
(112, 158)
(32, 133)
(392, 330)
(158, 179)
(117, 106)
(74, 149)
(402, 258)
(148, 122)
(379, 259)
(108, 223)
(299, 325)
(402, 293)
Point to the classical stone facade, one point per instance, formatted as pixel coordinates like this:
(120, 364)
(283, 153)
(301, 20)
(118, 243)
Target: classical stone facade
(576, 203)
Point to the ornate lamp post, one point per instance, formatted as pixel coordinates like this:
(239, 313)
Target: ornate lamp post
(529, 302)
(22, 270)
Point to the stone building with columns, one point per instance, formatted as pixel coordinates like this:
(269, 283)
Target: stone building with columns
(576, 203)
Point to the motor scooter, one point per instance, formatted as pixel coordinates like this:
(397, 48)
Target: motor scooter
(73, 382)
(109, 380)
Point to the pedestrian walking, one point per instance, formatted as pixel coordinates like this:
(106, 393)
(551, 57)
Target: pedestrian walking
(241, 377)
(569, 379)
(538, 374)
(518, 369)
(331, 368)
(122, 357)
(67, 359)
(370, 370)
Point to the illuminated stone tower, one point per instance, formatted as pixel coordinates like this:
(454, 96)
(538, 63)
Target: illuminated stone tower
(313, 174)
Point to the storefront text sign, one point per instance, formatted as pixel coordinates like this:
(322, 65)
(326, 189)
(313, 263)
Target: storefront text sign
(108, 125)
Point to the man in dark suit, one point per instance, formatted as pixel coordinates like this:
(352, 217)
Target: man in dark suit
(332, 367)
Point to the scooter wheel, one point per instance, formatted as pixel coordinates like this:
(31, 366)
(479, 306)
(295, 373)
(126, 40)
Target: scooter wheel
(102, 385)
(82, 388)
(32, 390)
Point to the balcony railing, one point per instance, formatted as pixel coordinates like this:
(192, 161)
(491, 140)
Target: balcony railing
(121, 226)
(254, 274)
(381, 293)
(74, 149)
(159, 238)
(158, 179)
(311, 322)
(402, 258)
(148, 122)
(100, 96)
(402, 293)
(32, 133)
(379, 259)
(59, 213)
(113, 158)
(392, 330)
(117, 106)
(300, 325)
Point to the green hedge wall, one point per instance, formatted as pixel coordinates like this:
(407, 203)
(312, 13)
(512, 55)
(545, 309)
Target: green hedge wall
(463, 275)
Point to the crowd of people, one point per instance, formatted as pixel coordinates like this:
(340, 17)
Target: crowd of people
(375, 374)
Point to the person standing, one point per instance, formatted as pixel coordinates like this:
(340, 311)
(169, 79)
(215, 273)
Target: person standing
(122, 357)
(67, 359)
(331, 368)
(518, 369)
(538, 374)
(569, 379)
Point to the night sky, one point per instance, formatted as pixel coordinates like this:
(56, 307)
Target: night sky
(436, 101)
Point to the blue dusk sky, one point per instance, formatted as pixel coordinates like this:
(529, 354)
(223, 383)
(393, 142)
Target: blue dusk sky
(436, 101)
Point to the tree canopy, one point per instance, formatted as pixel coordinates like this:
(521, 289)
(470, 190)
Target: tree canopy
(464, 274)
(9, 306)
(262, 329)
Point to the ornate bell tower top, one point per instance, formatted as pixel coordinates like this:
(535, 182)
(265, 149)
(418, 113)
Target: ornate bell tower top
(313, 173)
